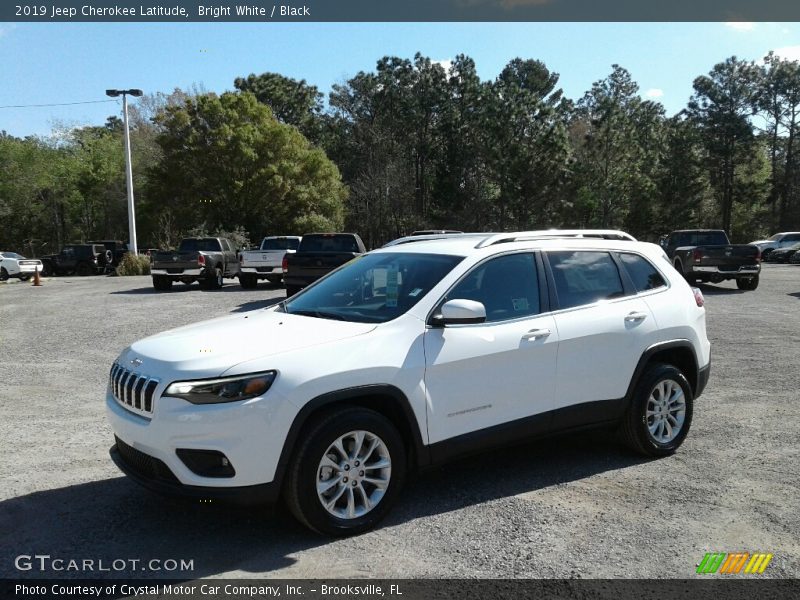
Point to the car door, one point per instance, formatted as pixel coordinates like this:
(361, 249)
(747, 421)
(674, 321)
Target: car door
(503, 370)
(603, 329)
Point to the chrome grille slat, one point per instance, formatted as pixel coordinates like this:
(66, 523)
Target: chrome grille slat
(133, 391)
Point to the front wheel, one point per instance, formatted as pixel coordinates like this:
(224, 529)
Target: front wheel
(749, 283)
(660, 413)
(347, 472)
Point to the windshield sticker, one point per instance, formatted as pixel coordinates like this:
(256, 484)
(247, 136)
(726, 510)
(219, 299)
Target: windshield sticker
(415, 292)
(520, 303)
(391, 288)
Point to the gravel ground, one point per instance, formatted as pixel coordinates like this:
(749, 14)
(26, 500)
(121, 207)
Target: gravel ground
(572, 507)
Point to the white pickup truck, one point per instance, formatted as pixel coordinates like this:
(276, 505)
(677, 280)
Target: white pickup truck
(266, 262)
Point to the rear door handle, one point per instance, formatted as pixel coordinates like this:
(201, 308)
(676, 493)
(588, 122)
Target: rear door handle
(635, 317)
(535, 334)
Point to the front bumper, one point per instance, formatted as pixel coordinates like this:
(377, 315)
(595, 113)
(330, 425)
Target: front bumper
(154, 475)
(250, 434)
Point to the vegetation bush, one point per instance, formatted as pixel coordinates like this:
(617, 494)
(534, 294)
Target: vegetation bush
(132, 264)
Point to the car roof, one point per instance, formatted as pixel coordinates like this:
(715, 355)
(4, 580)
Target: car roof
(467, 244)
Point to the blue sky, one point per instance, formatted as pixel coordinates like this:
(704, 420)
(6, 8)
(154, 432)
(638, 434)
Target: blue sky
(51, 62)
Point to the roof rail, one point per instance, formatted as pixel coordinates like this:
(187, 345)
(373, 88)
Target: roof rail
(520, 236)
(432, 236)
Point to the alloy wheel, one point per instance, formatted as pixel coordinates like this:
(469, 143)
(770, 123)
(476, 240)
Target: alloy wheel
(666, 411)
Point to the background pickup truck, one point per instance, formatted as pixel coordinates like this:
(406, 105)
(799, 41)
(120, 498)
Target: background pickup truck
(318, 255)
(707, 255)
(81, 259)
(207, 260)
(267, 261)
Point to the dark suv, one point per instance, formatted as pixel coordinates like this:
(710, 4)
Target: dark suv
(80, 259)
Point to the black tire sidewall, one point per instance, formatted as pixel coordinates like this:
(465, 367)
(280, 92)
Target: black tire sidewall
(652, 377)
(3, 274)
(310, 454)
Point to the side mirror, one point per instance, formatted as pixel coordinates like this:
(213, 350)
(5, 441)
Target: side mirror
(460, 312)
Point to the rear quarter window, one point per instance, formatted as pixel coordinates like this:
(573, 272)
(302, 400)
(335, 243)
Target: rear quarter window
(643, 274)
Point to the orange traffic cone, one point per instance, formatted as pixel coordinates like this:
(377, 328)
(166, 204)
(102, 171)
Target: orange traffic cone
(36, 281)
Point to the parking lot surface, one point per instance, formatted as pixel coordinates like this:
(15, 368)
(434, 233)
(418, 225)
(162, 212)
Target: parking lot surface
(580, 506)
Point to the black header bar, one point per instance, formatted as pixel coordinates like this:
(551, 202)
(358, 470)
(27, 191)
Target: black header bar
(184, 11)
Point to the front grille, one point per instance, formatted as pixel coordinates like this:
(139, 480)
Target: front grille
(143, 464)
(135, 392)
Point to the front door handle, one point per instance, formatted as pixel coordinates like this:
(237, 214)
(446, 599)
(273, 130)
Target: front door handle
(635, 317)
(535, 334)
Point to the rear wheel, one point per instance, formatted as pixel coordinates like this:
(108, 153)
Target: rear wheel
(161, 283)
(3, 274)
(660, 413)
(749, 283)
(248, 282)
(347, 472)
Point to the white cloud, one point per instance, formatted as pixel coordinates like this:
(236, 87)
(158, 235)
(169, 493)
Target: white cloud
(741, 25)
(788, 52)
(446, 63)
(654, 93)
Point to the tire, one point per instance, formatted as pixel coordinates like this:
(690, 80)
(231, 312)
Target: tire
(344, 424)
(161, 283)
(749, 283)
(83, 269)
(4, 274)
(291, 290)
(248, 282)
(636, 426)
(213, 279)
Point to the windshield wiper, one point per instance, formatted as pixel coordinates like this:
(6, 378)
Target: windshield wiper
(321, 314)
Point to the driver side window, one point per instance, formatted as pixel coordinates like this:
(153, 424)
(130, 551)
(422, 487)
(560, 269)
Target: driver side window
(507, 286)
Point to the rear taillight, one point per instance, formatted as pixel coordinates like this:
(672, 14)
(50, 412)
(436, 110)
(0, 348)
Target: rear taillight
(201, 260)
(698, 297)
(758, 255)
(285, 263)
(697, 256)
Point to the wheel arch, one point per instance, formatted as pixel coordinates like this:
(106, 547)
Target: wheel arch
(385, 399)
(679, 353)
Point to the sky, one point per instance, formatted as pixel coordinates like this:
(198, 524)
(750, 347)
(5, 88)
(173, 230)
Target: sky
(46, 63)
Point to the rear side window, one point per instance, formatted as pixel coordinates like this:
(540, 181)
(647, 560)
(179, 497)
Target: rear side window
(507, 287)
(201, 245)
(642, 273)
(583, 277)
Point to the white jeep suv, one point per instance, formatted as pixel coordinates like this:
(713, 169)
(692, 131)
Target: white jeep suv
(411, 355)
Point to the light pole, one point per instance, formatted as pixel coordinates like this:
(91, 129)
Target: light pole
(128, 170)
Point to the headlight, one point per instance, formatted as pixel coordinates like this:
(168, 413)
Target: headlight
(224, 389)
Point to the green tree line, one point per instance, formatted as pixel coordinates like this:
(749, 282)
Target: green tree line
(413, 145)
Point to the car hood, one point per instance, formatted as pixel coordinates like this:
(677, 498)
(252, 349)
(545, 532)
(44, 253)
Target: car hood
(210, 348)
(758, 242)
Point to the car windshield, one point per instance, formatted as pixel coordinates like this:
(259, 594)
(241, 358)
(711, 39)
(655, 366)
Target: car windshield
(10, 255)
(280, 244)
(776, 237)
(374, 288)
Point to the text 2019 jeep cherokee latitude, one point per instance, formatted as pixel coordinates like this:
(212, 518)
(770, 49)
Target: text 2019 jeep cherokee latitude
(408, 356)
